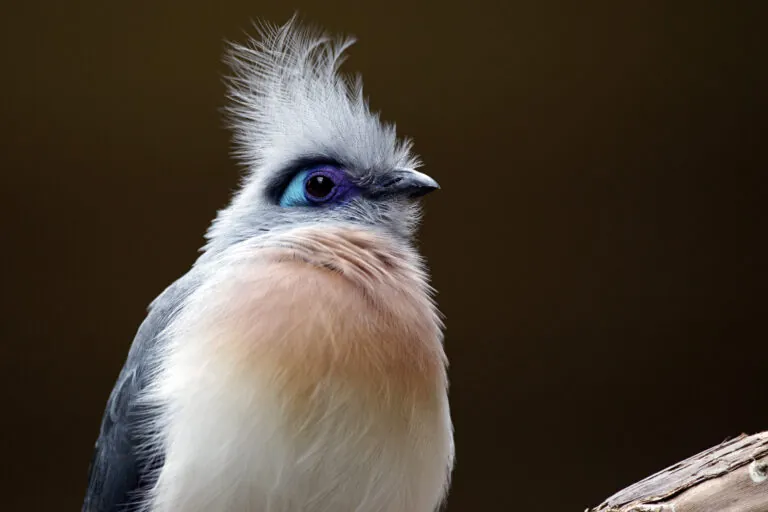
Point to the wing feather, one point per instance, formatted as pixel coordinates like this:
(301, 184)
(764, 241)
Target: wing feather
(123, 466)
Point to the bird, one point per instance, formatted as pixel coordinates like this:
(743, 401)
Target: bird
(299, 364)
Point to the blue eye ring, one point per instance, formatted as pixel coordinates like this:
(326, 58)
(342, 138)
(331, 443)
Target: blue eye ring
(336, 189)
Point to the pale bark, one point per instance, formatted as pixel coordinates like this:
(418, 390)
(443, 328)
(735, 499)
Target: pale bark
(730, 477)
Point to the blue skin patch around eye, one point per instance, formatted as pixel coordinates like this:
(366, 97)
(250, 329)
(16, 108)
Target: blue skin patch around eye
(295, 194)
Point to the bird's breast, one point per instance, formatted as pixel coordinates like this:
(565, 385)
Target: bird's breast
(317, 358)
(317, 306)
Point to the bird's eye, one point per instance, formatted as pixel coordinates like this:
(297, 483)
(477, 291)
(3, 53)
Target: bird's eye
(325, 184)
(319, 187)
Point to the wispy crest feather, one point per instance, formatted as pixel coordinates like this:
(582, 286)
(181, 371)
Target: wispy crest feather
(289, 100)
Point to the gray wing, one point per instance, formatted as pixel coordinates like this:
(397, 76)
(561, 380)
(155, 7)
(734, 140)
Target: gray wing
(123, 465)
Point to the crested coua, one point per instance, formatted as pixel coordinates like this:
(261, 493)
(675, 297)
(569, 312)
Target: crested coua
(298, 366)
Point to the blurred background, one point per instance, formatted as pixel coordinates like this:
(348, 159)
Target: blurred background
(598, 244)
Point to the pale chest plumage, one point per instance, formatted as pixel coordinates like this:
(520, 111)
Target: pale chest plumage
(306, 375)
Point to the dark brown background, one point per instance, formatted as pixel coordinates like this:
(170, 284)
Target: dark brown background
(598, 243)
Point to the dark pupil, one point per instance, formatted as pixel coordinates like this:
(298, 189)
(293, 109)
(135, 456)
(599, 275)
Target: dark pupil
(319, 186)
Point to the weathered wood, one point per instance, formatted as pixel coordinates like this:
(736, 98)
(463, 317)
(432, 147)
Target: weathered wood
(730, 477)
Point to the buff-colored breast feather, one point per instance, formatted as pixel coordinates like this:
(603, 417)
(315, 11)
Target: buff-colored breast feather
(335, 347)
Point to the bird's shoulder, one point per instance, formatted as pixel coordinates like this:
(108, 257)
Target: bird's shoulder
(123, 462)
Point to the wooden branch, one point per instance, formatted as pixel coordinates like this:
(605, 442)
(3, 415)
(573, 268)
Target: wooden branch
(730, 477)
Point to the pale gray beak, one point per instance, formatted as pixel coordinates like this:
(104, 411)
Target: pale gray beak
(404, 183)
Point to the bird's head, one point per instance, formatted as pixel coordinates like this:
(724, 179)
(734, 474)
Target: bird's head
(315, 154)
